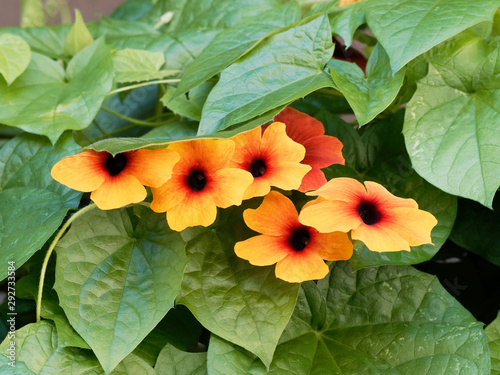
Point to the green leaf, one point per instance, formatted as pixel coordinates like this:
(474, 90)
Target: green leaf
(38, 352)
(188, 107)
(284, 67)
(136, 274)
(244, 304)
(178, 328)
(178, 131)
(32, 204)
(345, 22)
(9, 367)
(233, 43)
(32, 13)
(450, 134)
(493, 337)
(46, 40)
(117, 29)
(132, 65)
(15, 55)
(172, 360)
(476, 229)
(408, 28)
(132, 10)
(367, 94)
(202, 14)
(41, 102)
(380, 155)
(387, 320)
(78, 37)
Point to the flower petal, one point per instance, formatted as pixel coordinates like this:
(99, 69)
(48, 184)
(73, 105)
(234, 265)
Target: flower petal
(331, 246)
(286, 175)
(151, 167)
(299, 126)
(209, 155)
(342, 189)
(82, 172)
(194, 210)
(412, 224)
(313, 180)
(330, 216)
(247, 148)
(380, 238)
(277, 146)
(258, 188)
(262, 250)
(118, 191)
(384, 199)
(229, 186)
(323, 151)
(301, 266)
(276, 216)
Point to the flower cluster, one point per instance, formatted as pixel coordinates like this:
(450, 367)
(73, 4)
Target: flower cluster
(190, 179)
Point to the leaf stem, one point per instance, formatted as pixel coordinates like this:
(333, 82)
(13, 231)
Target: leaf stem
(131, 87)
(132, 120)
(49, 252)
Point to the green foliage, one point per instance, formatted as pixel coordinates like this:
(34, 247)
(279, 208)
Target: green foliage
(15, 55)
(145, 266)
(378, 321)
(45, 100)
(232, 299)
(172, 360)
(370, 93)
(301, 71)
(78, 37)
(493, 337)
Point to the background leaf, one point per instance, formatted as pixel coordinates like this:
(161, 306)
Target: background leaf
(135, 272)
(379, 321)
(408, 28)
(493, 336)
(441, 120)
(41, 102)
(175, 361)
(32, 204)
(15, 55)
(242, 303)
(367, 94)
(234, 42)
(284, 67)
(78, 36)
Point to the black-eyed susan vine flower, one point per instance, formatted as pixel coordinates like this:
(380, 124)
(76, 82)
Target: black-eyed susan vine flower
(118, 180)
(298, 250)
(271, 157)
(381, 220)
(321, 150)
(201, 181)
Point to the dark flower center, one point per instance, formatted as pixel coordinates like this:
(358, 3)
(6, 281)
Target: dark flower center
(196, 180)
(115, 164)
(369, 213)
(299, 239)
(257, 168)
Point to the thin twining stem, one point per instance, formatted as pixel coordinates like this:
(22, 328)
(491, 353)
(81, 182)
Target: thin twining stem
(133, 120)
(131, 87)
(49, 252)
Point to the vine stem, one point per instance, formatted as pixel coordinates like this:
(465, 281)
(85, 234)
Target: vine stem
(132, 120)
(131, 87)
(49, 252)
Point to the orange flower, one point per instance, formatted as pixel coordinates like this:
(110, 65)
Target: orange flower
(299, 250)
(115, 181)
(271, 157)
(321, 150)
(201, 182)
(381, 220)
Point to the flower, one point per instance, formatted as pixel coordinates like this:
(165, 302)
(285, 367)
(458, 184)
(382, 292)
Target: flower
(118, 180)
(271, 157)
(381, 220)
(321, 150)
(201, 181)
(297, 249)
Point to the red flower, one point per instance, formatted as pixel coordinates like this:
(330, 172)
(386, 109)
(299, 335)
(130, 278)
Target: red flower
(321, 150)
